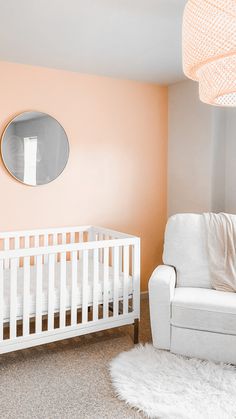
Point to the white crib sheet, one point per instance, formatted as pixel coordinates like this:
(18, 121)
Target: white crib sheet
(32, 301)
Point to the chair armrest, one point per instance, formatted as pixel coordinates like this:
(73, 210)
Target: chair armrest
(161, 291)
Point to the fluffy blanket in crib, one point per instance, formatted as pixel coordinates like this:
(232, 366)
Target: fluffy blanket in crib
(221, 249)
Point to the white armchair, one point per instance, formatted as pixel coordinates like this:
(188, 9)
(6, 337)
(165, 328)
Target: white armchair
(187, 316)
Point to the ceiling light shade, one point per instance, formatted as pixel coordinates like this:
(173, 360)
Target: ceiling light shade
(209, 49)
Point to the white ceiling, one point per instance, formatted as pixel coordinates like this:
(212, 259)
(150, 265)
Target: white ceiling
(131, 39)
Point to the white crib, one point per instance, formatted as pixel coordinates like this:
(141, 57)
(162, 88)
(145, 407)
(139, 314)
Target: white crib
(65, 282)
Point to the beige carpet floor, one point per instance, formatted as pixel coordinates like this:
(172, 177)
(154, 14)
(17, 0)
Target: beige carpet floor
(68, 379)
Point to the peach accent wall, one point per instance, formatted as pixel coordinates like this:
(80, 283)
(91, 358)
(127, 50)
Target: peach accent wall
(116, 174)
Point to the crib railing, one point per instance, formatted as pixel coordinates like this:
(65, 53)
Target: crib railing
(104, 257)
(42, 238)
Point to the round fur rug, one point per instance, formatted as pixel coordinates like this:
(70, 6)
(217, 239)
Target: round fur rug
(164, 385)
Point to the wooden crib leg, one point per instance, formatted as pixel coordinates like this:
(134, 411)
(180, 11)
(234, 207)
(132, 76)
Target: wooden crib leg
(136, 331)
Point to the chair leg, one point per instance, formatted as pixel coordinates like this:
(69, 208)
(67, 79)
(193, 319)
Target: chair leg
(136, 331)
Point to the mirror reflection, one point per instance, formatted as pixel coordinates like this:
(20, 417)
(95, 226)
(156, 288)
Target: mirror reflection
(35, 148)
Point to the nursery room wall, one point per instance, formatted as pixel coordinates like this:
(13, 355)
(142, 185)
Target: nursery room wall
(116, 174)
(189, 150)
(202, 178)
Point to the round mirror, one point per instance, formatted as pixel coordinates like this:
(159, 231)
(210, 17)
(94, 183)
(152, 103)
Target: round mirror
(35, 148)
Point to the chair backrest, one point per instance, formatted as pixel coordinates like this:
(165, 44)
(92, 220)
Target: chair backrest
(185, 249)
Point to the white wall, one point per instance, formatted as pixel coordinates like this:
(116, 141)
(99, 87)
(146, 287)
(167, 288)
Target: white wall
(202, 153)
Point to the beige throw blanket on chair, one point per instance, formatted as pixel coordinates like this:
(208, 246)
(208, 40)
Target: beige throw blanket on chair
(221, 243)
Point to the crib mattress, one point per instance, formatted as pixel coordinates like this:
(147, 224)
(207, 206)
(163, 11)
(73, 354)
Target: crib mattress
(32, 299)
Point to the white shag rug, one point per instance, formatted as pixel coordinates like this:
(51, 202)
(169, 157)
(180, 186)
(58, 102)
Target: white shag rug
(164, 385)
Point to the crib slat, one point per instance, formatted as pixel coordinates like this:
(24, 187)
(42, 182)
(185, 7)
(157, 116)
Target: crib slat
(36, 241)
(45, 243)
(17, 242)
(81, 239)
(51, 275)
(81, 236)
(85, 287)
(13, 297)
(121, 260)
(100, 237)
(112, 254)
(63, 238)
(74, 289)
(27, 242)
(136, 278)
(17, 246)
(54, 240)
(126, 280)
(95, 284)
(26, 290)
(1, 299)
(7, 247)
(116, 281)
(105, 282)
(36, 244)
(39, 272)
(62, 289)
(72, 237)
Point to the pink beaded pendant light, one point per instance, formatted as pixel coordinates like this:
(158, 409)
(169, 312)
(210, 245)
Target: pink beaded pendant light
(209, 49)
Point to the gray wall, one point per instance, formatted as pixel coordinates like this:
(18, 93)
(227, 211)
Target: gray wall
(230, 161)
(202, 153)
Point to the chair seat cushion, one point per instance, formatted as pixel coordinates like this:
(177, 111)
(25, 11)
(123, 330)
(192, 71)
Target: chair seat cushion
(204, 309)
